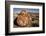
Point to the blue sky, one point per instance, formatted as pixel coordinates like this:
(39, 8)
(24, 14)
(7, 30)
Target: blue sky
(27, 9)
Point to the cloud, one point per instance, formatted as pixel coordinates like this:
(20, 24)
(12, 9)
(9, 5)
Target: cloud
(17, 10)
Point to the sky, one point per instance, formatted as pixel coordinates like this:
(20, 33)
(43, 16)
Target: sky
(17, 10)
